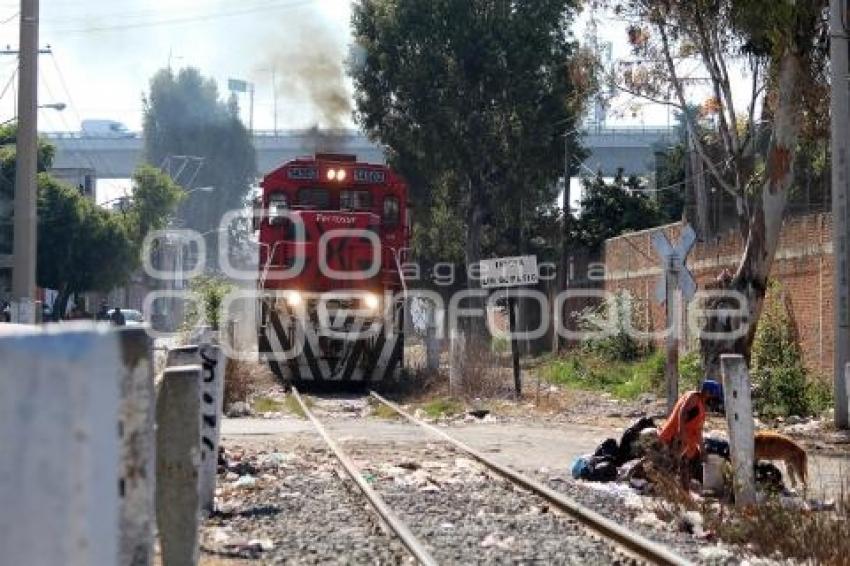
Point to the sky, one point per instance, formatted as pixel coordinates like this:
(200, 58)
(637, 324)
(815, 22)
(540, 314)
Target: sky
(104, 53)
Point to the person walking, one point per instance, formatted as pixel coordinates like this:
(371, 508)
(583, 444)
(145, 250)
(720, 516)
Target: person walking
(102, 312)
(117, 317)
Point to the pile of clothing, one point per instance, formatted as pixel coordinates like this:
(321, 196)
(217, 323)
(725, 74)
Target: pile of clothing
(605, 462)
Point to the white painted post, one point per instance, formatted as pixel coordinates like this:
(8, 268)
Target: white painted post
(59, 447)
(182, 356)
(178, 432)
(212, 403)
(136, 487)
(211, 400)
(457, 346)
(739, 415)
(432, 345)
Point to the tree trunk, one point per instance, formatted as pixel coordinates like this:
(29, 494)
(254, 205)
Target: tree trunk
(751, 277)
(476, 328)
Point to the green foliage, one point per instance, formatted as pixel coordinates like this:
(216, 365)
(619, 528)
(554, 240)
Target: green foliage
(443, 407)
(590, 372)
(212, 291)
(184, 116)
(690, 371)
(474, 91)
(439, 233)
(615, 318)
(500, 345)
(155, 197)
(265, 404)
(781, 383)
(612, 209)
(8, 139)
(81, 247)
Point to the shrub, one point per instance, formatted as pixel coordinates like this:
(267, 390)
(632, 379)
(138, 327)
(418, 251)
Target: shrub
(241, 380)
(617, 318)
(625, 380)
(690, 371)
(781, 383)
(212, 291)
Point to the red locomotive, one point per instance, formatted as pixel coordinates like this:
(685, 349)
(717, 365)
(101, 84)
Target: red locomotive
(333, 236)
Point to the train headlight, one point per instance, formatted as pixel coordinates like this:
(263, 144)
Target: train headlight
(371, 301)
(331, 174)
(340, 175)
(293, 299)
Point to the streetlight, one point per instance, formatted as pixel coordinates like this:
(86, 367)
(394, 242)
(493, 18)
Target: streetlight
(58, 106)
(200, 190)
(239, 85)
(563, 278)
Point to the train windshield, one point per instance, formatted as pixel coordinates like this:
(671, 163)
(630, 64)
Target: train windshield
(355, 200)
(318, 199)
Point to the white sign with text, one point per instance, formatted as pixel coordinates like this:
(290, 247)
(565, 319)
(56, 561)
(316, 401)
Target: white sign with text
(509, 272)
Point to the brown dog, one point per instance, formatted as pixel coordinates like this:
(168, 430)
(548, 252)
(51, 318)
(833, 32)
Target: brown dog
(771, 445)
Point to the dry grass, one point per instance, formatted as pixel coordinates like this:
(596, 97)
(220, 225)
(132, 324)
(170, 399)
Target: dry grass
(243, 379)
(485, 375)
(772, 529)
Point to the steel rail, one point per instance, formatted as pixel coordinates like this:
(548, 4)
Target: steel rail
(635, 543)
(413, 544)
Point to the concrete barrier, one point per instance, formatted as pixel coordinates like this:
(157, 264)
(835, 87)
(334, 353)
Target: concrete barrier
(178, 419)
(136, 428)
(211, 400)
(59, 448)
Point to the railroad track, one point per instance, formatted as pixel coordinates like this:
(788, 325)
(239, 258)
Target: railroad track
(626, 542)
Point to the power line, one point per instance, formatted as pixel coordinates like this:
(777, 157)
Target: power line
(186, 19)
(9, 83)
(83, 157)
(72, 106)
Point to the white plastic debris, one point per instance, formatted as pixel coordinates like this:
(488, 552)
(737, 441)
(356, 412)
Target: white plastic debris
(245, 481)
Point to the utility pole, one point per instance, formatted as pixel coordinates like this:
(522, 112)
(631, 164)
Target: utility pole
(23, 273)
(557, 341)
(840, 107)
(274, 94)
(251, 118)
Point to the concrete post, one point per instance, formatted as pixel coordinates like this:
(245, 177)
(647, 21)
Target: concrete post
(457, 345)
(839, 63)
(59, 447)
(136, 428)
(177, 457)
(739, 415)
(211, 402)
(432, 345)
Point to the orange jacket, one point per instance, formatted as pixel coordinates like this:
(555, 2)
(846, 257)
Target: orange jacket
(685, 424)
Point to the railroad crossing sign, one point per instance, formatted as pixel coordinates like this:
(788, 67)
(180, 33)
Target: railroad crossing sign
(509, 272)
(506, 272)
(673, 261)
(675, 276)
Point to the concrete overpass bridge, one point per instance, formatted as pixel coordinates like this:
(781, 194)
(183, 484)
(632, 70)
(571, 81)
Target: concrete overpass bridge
(630, 148)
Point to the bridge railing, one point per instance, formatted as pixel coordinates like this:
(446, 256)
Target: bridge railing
(596, 131)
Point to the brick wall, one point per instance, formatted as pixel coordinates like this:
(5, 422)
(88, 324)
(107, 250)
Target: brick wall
(803, 264)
